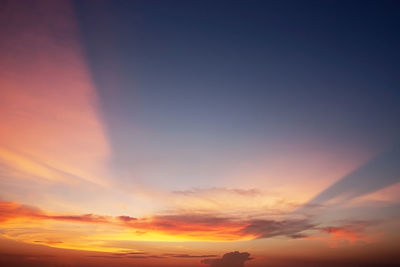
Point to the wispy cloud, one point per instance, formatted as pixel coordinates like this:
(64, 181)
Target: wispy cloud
(231, 201)
(12, 210)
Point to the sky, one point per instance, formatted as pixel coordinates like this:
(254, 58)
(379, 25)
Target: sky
(199, 133)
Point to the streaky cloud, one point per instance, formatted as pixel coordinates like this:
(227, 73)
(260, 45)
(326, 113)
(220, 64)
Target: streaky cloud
(271, 228)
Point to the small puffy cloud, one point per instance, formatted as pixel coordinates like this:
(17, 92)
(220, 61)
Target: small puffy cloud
(231, 259)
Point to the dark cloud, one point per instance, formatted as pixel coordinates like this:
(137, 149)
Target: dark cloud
(188, 256)
(11, 210)
(195, 219)
(271, 228)
(358, 227)
(80, 218)
(126, 218)
(297, 236)
(231, 259)
(144, 255)
(128, 255)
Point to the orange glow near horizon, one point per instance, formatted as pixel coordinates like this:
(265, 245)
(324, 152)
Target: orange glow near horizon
(160, 229)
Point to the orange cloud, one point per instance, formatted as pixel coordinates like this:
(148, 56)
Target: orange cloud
(11, 210)
(161, 227)
(346, 233)
(31, 225)
(350, 233)
(202, 227)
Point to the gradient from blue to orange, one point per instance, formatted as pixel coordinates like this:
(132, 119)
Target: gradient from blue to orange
(167, 132)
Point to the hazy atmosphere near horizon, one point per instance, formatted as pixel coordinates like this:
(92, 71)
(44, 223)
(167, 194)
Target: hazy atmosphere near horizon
(209, 133)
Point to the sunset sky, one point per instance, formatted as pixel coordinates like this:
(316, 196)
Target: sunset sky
(199, 133)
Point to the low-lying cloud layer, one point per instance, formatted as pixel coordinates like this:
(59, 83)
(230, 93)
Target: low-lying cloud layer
(231, 259)
(173, 227)
(190, 225)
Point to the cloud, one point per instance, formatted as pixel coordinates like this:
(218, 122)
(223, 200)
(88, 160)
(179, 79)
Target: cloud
(297, 236)
(351, 231)
(90, 218)
(271, 228)
(231, 259)
(190, 220)
(347, 233)
(126, 218)
(13, 210)
(188, 256)
(192, 226)
(144, 255)
(186, 226)
(230, 201)
(183, 224)
(233, 191)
